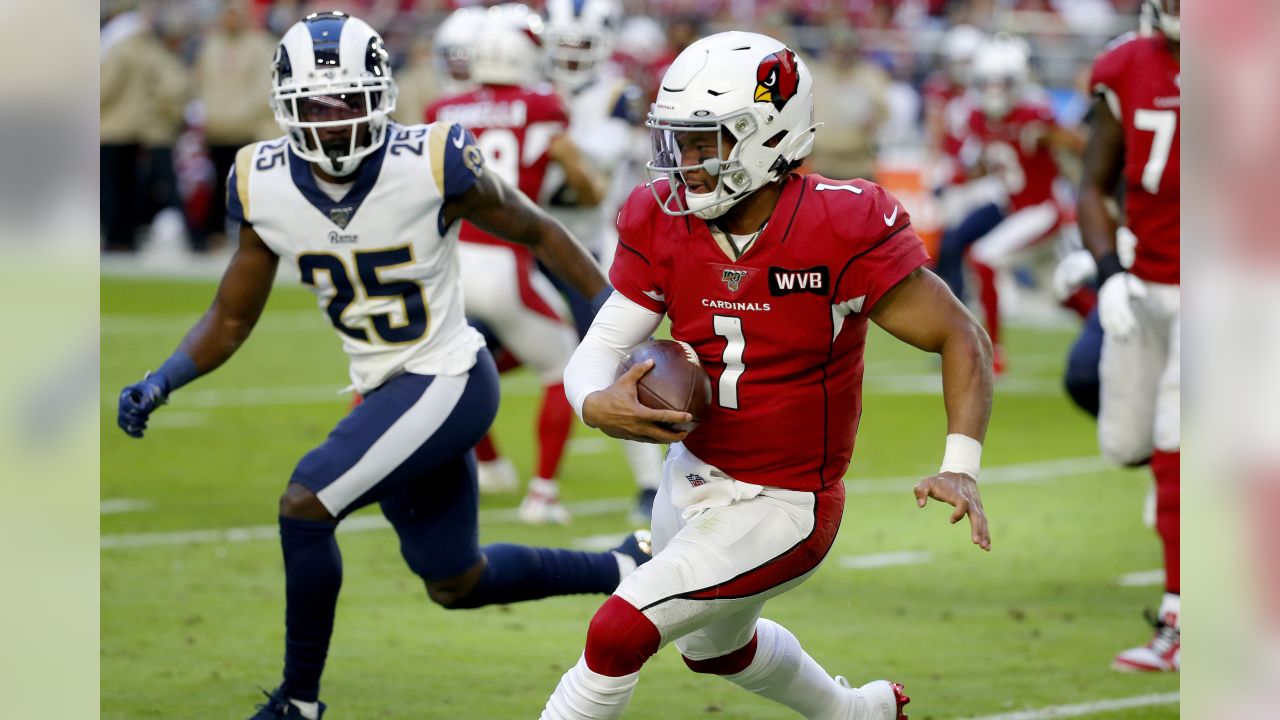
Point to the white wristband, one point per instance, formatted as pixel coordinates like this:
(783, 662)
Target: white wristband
(963, 455)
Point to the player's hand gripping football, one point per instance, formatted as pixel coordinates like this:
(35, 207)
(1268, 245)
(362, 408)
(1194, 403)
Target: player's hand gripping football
(961, 491)
(617, 412)
(137, 401)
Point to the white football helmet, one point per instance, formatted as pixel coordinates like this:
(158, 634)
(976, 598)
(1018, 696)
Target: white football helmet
(509, 49)
(331, 71)
(958, 47)
(580, 36)
(454, 43)
(1168, 17)
(747, 85)
(1000, 74)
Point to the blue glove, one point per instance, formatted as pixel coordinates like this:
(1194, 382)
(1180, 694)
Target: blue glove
(138, 400)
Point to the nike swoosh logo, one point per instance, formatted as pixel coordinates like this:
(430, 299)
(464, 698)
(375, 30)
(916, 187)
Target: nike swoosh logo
(460, 139)
(890, 219)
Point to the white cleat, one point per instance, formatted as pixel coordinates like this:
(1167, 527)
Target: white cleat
(541, 504)
(1163, 653)
(877, 700)
(497, 476)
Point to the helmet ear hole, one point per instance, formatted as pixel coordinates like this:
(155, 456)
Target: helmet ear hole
(776, 139)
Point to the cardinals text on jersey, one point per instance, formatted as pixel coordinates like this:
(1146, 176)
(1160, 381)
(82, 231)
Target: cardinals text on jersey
(379, 260)
(781, 329)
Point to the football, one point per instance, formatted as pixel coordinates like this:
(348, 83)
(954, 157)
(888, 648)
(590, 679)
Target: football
(676, 382)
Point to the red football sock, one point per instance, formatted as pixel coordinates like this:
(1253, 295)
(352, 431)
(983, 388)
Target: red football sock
(486, 451)
(554, 422)
(990, 298)
(1165, 466)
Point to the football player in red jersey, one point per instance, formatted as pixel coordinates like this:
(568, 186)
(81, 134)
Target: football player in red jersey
(1013, 136)
(521, 125)
(772, 278)
(1133, 139)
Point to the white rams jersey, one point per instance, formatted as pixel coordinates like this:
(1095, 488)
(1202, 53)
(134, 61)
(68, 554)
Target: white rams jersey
(380, 262)
(604, 120)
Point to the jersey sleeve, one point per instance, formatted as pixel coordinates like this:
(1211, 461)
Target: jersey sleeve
(456, 160)
(633, 273)
(886, 248)
(1108, 70)
(238, 185)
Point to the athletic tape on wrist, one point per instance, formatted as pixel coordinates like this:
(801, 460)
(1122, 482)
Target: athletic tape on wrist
(963, 455)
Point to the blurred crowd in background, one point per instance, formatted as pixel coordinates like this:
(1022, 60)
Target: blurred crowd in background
(184, 83)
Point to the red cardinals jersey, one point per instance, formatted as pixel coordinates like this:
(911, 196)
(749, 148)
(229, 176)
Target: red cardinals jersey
(514, 127)
(781, 329)
(1140, 79)
(1013, 149)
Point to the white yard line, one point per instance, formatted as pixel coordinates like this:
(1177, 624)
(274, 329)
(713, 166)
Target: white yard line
(360, 523)
(1019, 474)
(115, 506)
(1023, 473)
(1145, 578)
(1095, 707)
(884, 560)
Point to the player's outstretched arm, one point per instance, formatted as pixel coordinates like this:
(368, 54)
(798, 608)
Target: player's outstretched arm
(242, 294)
(499, 209)
(921, 311)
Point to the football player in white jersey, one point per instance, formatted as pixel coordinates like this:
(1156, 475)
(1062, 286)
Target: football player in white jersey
(368, 211)
(606, 117)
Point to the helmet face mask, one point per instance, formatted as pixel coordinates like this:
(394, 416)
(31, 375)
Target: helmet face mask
(1168, 18)
(331, 75)
(580, 36)
(747, 95)
(1001, 72)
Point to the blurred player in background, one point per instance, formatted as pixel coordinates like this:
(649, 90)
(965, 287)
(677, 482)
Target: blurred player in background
(772, 278)
(1133, 140)
(606, 112)
(1014, 135)
(368, 211)
(521, 125)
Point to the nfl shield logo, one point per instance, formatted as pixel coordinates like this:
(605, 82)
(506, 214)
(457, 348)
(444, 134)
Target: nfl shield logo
(732, 278)
(340, 216)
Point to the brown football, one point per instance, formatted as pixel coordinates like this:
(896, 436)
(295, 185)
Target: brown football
(676, 382)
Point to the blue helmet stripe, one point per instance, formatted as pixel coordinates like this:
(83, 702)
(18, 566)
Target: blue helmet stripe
(326, 29)
(578, 7)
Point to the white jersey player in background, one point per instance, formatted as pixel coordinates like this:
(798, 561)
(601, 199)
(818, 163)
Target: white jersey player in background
(606, 115)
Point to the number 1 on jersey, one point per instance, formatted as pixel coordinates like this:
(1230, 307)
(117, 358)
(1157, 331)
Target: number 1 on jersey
(730, 328)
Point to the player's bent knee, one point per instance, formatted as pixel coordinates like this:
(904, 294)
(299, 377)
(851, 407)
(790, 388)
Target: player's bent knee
(620, 639)
(730, 664)
(300, 503)
(454, 593)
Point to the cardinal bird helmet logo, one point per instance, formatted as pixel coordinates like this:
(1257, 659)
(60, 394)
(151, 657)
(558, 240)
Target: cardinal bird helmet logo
(777, 78)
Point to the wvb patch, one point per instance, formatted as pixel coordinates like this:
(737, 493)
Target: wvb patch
(785, 281)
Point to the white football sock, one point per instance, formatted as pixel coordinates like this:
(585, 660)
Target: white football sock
(1172, 603)
(586, 695)
(310, 710)
(784, 673)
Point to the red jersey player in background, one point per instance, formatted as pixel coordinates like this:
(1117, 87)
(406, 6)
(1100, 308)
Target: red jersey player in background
(1013, 135)
(1133, 139)
(521, 126)
(772, 278)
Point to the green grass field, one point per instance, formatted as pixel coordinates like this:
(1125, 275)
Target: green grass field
(192, 618)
